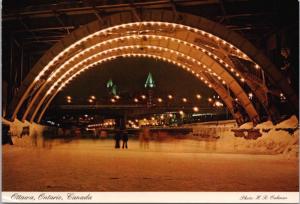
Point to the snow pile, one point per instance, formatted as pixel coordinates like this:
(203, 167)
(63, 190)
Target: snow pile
(292, 122)
(35, 137)
(248, 125)
(272, 141)
(265, 125)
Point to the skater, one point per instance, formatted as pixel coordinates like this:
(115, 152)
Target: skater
(117, 138)
(124, 137)
(144, 137)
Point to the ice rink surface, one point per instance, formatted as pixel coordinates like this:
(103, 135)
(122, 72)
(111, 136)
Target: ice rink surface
(177, 165)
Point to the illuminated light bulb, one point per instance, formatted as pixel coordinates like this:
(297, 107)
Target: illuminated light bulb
(159, 100)
(117, 97)
(181, 112)
(143, 96)
(170, 96)
(209, 99)
(198, 96)
(90, 101)
(136, 100)
(242, 79)
(256, 66)
(209, 85)
(113, 100)
(232, 70)
(237, 74)
(226, 65)
(184, 100)
(195, 109)
(223, 82)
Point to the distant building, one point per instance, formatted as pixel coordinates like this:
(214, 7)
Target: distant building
(149, 85)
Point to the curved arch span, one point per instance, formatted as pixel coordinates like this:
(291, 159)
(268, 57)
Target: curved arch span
(221, 91)
(213, 68)
(221, 44)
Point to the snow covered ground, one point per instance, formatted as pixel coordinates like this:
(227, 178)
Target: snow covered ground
(175, 165)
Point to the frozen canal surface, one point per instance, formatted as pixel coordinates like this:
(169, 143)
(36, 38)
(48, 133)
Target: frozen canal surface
(94, 165)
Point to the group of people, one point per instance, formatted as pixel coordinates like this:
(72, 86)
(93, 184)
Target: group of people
(121, 135)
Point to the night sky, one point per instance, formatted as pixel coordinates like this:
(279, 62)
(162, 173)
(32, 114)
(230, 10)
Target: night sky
(129, 74)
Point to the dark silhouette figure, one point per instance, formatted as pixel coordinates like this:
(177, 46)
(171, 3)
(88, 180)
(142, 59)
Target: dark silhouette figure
(117, 138)
(124, 137)
(6, 135)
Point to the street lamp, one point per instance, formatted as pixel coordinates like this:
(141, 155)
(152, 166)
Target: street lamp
(195, 109)
(218, 104)
(250, 95)
(170, 96)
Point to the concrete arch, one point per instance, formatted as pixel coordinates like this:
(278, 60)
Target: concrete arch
(190, 55)
(80, 39)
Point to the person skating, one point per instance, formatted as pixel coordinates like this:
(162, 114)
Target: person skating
(124, 136)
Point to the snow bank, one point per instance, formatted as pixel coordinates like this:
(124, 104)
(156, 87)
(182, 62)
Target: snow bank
(26, 134)
(248, 125)
(292, 122)
(265, 125)
(272, 141)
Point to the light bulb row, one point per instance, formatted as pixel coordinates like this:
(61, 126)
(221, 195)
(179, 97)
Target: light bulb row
(128, 25)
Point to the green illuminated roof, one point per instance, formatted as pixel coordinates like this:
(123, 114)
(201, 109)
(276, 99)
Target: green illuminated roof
(149, 82)
(109, 83)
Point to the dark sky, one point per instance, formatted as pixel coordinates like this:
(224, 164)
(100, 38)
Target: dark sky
(129, 74)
